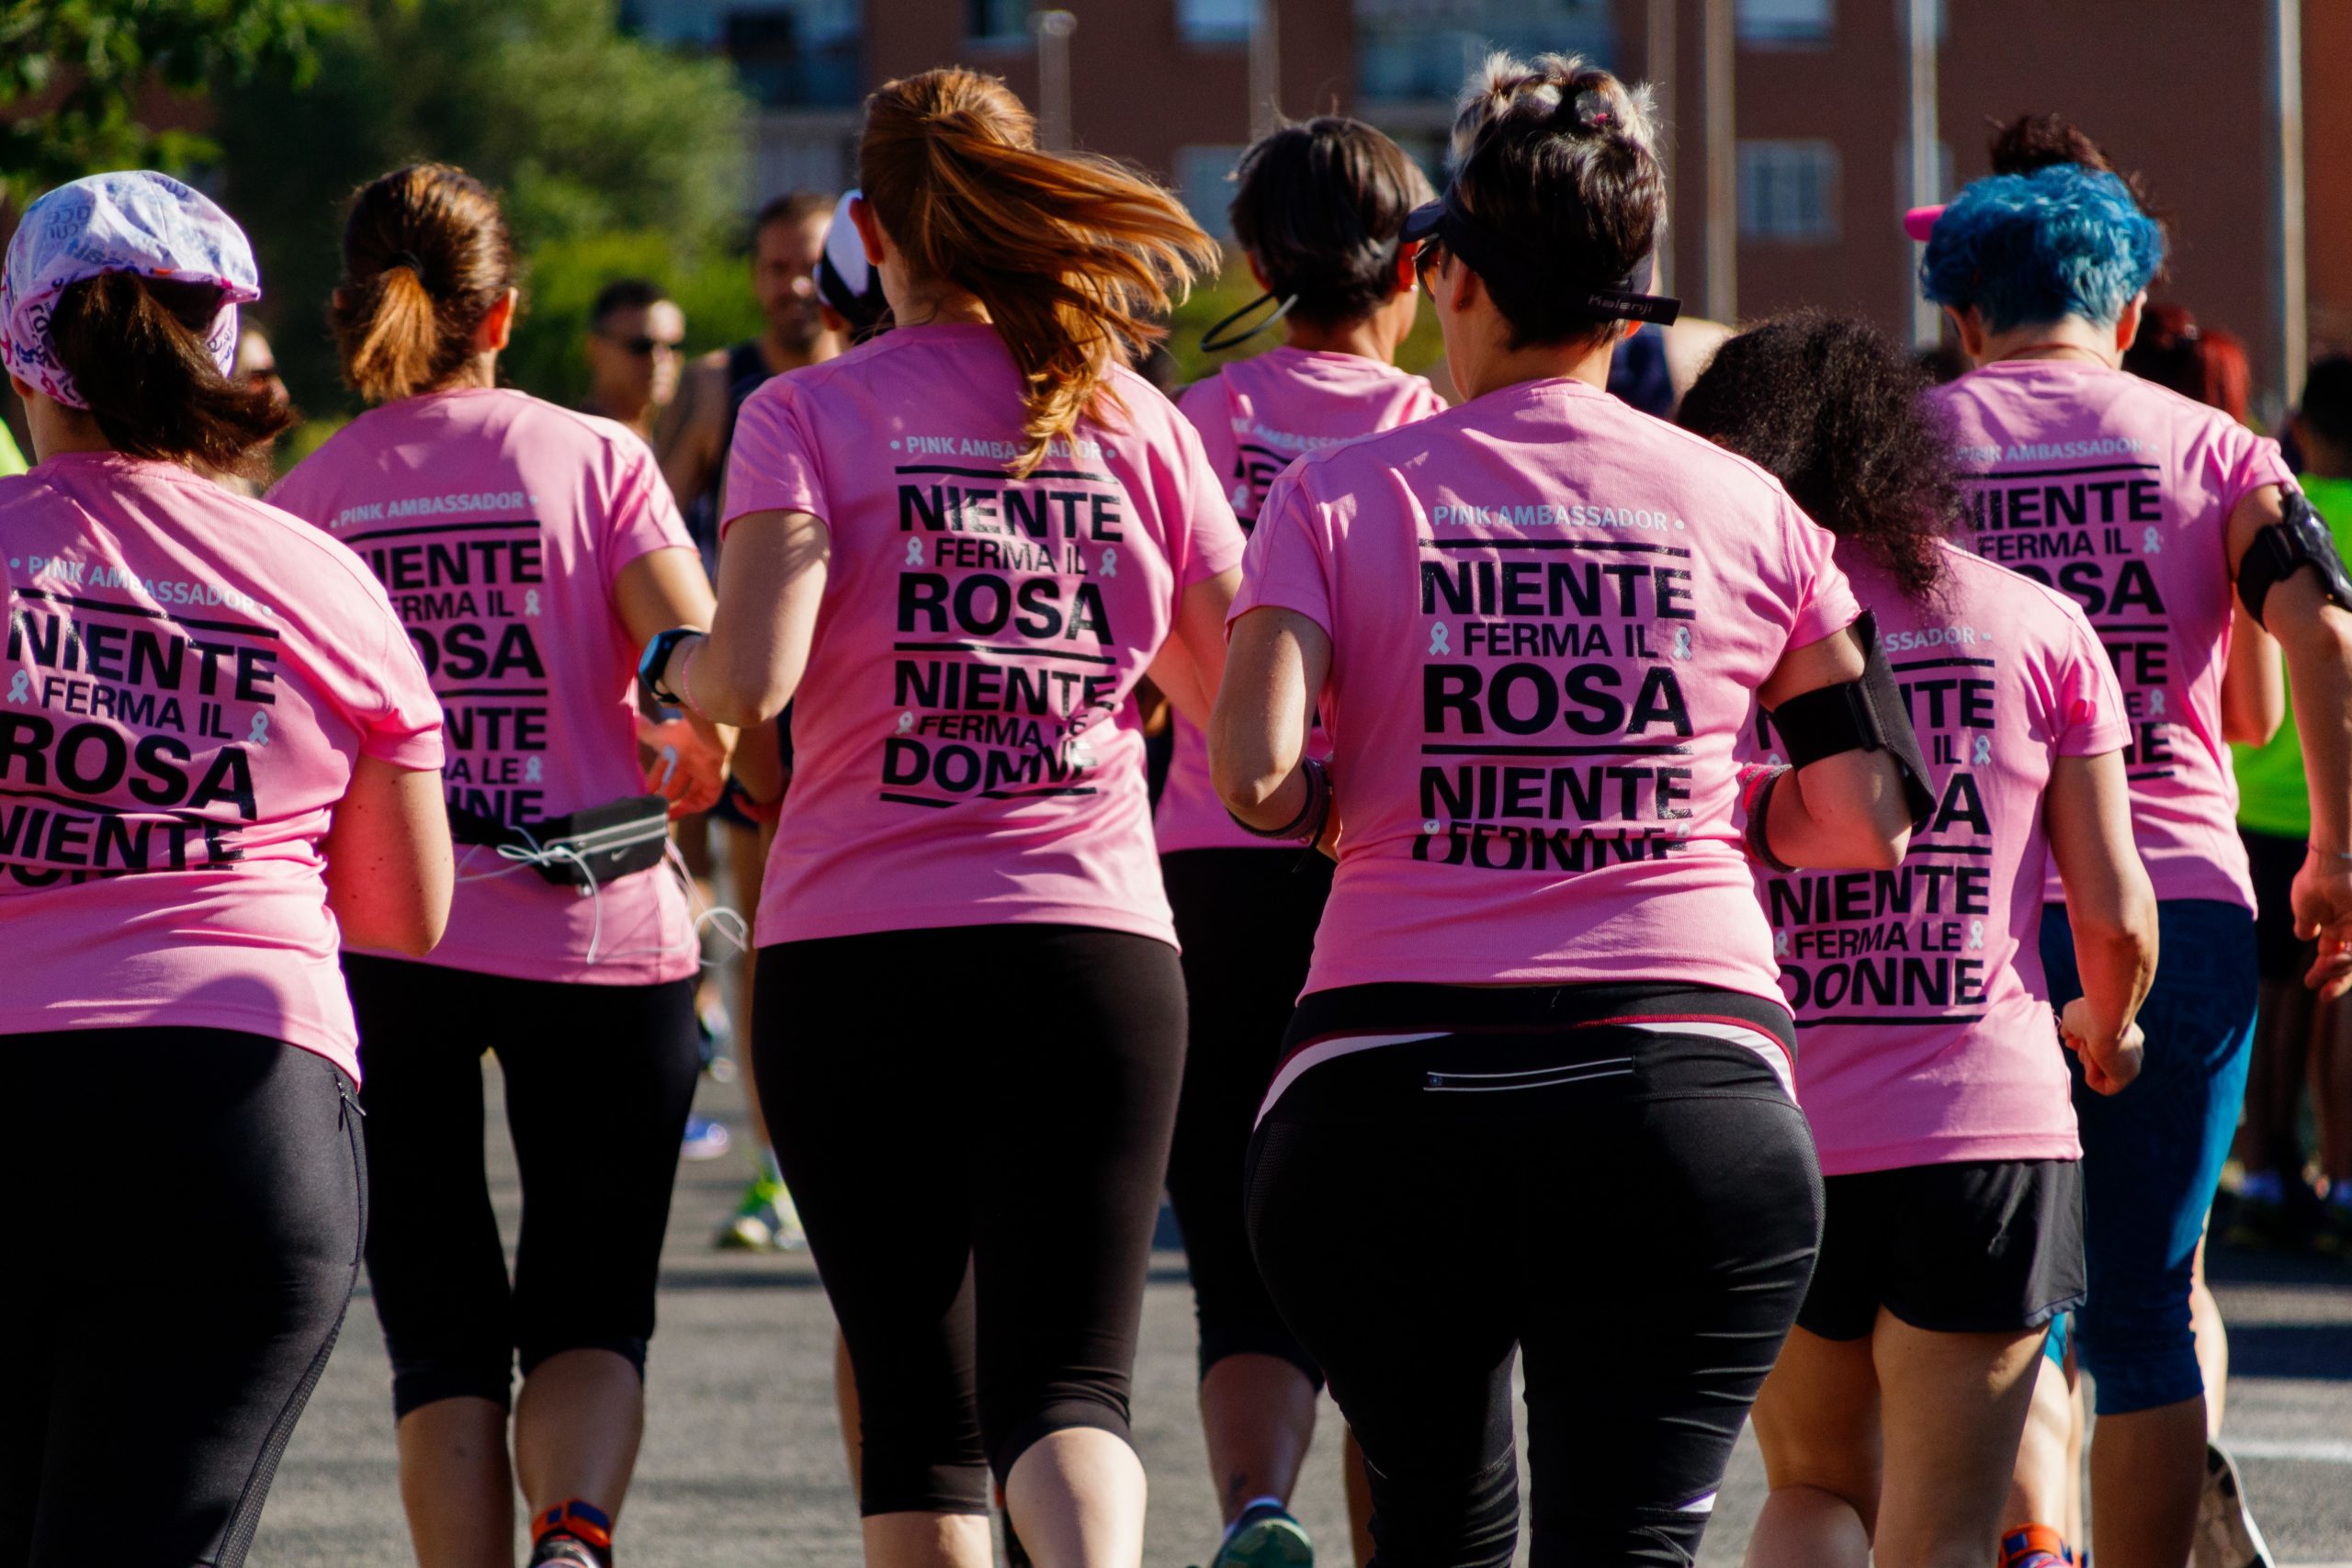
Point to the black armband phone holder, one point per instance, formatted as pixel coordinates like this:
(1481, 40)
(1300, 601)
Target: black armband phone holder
(2299, 539)
(1860, 715)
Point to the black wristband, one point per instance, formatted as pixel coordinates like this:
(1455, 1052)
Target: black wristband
(1307, 826)
(655, 663)
(1759, 808)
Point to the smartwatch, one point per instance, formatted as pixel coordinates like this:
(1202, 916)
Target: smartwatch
(655, 661)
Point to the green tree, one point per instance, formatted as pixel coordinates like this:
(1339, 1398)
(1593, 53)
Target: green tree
(582, 129)
(78, 77)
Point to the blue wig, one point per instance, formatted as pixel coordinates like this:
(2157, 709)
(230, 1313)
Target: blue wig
(2064, 240)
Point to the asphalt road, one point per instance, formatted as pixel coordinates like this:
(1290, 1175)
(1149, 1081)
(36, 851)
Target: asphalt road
(742, 1462)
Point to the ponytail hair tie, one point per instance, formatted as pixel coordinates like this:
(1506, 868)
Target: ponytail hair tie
(408, 259)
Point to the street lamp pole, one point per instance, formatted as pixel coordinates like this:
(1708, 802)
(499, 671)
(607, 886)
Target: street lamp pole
(1659, 50)
(1265, 67)
(2289, 319)
(1718, 35)
(1054, 29)
(1925, 147)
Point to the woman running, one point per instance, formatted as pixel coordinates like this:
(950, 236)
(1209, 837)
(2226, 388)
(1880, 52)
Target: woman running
(964, 543)
(531, 552)
(1952, 1193)
(1317, 212)
(1542, 1033)
(2144, 507)
(218, 760)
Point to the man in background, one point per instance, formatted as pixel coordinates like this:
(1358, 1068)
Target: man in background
(787, 245)
(634, 332)
(788, 250)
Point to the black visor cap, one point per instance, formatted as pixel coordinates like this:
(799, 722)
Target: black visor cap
(1448, 222)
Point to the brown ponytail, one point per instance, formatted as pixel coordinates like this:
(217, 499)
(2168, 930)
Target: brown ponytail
(425, 257)
(135, 347)
(1074, 257)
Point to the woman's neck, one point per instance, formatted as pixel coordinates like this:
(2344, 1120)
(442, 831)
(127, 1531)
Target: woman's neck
(1542, 362)
(57, 430)
(940, 307)
(2071, 338)
(1365, 337)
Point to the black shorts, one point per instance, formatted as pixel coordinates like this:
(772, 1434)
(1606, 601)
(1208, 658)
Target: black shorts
(1978, 1246)
(154, 1378)
(1247, 918)
(2279, 953)
(598, 1079)
(974, 1122)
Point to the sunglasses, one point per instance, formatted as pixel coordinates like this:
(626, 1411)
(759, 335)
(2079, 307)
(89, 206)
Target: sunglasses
(643, 347)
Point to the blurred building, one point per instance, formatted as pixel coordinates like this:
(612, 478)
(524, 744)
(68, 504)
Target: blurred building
(2181, 90)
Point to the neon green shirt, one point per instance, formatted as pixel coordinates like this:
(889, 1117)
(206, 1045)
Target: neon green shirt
(2272, 795)
(11, 460)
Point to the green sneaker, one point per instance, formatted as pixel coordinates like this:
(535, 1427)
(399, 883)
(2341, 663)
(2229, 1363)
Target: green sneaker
(765, 1221)
(1265, 1535)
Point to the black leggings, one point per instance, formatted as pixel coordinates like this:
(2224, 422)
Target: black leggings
(1247, 918)
(154, 1378)
(598, 1081)
(1637, 1213)
(974, 1122)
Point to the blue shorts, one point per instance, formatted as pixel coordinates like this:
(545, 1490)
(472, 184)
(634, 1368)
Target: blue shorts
(2151, 1155)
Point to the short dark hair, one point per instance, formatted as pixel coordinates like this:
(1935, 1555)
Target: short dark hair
(1835, 410)
(1319, 207)
(625, 294)
(793, 206)
(1559, 156)
(2326, 407)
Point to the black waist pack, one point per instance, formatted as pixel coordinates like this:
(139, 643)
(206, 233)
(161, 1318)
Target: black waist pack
(582, 849)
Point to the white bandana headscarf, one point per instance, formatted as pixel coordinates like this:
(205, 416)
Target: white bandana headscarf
(135, 221)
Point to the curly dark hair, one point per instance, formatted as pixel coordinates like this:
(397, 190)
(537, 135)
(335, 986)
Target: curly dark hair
(1834, 410)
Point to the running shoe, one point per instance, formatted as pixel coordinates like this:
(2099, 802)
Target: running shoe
(765, 1221)
(1264, 1536)
(706, 1139)
(2226, 1535)
(2036, 1546)
(573, 1535)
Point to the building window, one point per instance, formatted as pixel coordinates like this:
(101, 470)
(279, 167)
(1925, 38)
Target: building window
(1788, 190)
(1770, 22)
(1205, 184)
(1422, 49)
(804, 55)
(996, 21)
(1214, 21)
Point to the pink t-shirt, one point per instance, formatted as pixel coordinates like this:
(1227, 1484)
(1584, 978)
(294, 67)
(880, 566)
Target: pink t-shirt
(965, 742)
(1549, 614)
(1925, 1032)
(2119, 493)
(1256, 416)
(499, 523)
(191, 677)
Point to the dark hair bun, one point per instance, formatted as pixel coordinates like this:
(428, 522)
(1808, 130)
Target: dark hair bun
(1559, 158)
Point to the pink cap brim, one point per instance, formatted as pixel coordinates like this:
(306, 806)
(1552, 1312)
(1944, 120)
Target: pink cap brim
(1920, 221)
